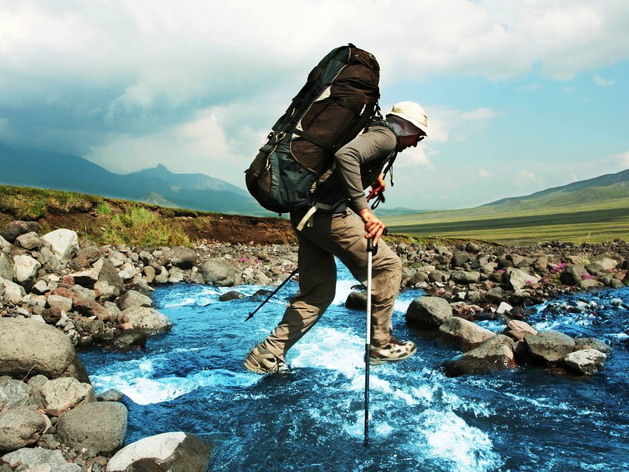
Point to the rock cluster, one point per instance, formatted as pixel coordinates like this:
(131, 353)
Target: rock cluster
(518, 344)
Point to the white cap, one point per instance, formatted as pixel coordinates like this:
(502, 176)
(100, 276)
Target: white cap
(413, 113)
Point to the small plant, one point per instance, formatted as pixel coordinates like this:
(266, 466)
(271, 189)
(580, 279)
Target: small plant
(103, 208)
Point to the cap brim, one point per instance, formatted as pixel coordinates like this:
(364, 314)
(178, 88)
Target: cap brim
(415, 123)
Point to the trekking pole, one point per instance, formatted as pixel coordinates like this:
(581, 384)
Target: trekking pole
(274, 292)
(371, 249)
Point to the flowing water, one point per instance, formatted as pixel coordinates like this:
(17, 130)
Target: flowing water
(311, 419)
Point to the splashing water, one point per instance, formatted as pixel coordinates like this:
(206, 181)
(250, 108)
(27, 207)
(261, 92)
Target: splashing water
(311, 419)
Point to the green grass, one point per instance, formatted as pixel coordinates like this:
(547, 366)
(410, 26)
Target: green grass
(591, 222)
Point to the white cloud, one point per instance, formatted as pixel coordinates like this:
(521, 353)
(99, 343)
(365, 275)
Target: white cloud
(598, 80)
(623, 159)
(443, 121)
(532, 87)
(484, 173)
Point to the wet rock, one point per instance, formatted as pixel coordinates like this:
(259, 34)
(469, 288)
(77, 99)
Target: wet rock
(90, 326)
(428, 312)
(518, 330)
(518, 279)
(147, 319)
(585, 361)
(466, 278)
(495, 354)
(548, 348)
(64, 243)
(64, 393)
(110, 396)
(465, 334)
(12, 291)
(14, 393)
(592, 343)
(231, 295)
(356, 301)
(25, 270)
(218, 272)
(573, 274)
(20, 427)
(99, 427)
(175, 452)
(130, 339)
(33, 457)
(30, 348)
(133, 299)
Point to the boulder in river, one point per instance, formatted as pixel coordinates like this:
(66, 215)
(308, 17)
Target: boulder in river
(28, 348)
(548, 348)
(465, 334)
(428, 312)
(174, 452)
(356, 301)
(592, 343)
(147, 319)
(585, 361)
(494, 354)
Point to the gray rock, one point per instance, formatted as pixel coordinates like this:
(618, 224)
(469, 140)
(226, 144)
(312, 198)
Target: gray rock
(218, 272)
(130, 339)
(87, 277)
(37, 382)
(592, 343)
(586, 361)
(115, 315)
(20, 427)
(30, 348)
(62, 303)
(465, 334)
(473, 247)
(5, 246)
(428, 312)
(589, 283)
(147, 319)
(518, 279)
(48, 441)
(149, 273)
(181, 257)
(40, 287)
(29, 241)
(175, 276)
(438, 276)
(17, 228)
(162, 277)
(133, 299)
(548, 348)
(88, 255)
(356, 301)
(14, 393)
(99, 427)
(25, 270)
(573, 274)
(48, 260)
(495, 354)
(90, 326)
(6, 268)
(33, 457)
(65, 393)
(126, 272)
(231, 295)
(12, 291)
(108, 273)
(88, 307)
(110, 396)
(459, 259)
(466, 278)
(419, 277)
(174, 452)
(64, 243)
(606, 263)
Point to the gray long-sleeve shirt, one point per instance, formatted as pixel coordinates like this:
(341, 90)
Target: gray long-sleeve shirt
(358, 164)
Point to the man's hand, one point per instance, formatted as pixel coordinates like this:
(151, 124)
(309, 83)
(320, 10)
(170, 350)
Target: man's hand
(378, 187)
(373, 226)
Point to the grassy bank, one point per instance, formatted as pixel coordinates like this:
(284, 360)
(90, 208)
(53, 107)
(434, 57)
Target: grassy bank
(588, 222)
(112, 221)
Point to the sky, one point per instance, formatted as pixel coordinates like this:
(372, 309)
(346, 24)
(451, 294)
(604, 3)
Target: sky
(520, 95)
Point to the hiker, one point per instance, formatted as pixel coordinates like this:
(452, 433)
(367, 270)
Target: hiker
(337, 232)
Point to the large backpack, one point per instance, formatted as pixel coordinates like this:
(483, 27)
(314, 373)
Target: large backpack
(339, 99)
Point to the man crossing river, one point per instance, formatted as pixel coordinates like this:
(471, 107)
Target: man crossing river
(337, 232)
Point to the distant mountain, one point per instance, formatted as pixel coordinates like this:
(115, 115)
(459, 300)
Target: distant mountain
(397, 211)
(605, 187)
(157, 185)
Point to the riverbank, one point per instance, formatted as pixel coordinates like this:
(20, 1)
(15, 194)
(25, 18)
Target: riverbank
(101, 295)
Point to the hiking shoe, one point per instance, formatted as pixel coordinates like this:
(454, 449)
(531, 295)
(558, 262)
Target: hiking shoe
(262, 361)
(393, 351)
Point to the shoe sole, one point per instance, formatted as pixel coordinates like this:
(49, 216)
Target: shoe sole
(384, 360)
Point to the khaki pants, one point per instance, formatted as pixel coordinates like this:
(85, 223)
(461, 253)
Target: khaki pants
(341, 235)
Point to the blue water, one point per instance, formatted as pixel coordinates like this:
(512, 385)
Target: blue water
(311, 419)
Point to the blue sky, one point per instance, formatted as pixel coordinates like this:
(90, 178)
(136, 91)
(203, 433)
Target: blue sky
(521, 95)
